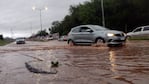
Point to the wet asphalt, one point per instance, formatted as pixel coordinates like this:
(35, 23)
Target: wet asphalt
(77, 64)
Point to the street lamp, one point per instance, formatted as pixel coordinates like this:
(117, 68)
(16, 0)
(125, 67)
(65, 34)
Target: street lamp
(40, 10)
(103, 17)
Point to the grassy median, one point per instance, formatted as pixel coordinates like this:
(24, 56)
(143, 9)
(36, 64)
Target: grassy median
(139, 38)
(4, 42)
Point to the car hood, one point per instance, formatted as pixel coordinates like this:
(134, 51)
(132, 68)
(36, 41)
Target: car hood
(109, 31)
(129, 33)
(113, 31)
(20, 40)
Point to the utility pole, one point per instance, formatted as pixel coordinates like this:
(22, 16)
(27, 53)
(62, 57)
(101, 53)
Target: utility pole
(103, 15)
(40, 19)
(11, 32)
(31, 29)
(40, 11)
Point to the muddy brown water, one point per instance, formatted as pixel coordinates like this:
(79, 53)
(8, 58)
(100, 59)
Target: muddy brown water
(78, 64)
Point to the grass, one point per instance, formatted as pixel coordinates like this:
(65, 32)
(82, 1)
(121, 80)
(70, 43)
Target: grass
(4, 42)
(139, 38)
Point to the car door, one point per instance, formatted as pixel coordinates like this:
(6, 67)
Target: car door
(75, 34)
(86, 35)
(145, 31)
(137, 32)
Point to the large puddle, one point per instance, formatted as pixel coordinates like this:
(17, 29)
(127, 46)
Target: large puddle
(116, 65)
(84, 64)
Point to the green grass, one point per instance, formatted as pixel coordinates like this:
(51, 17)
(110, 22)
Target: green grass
(139, 38)
(3, 42)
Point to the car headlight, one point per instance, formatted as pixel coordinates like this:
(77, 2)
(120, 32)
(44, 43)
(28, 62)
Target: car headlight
(110, 34)
(125, 34)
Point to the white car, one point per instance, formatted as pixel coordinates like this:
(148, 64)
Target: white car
(142, 31)
(63, 38)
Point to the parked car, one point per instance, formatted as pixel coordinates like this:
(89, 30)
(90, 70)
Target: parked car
(95, 34)
(20, 41)
(139, 32)
(63, 38)
(49, 38)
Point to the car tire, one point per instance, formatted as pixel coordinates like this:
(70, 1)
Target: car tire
(128, 37)
(71, 43)
(99, 42)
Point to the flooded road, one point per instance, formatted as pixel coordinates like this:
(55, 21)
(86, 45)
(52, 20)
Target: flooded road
(78, 64)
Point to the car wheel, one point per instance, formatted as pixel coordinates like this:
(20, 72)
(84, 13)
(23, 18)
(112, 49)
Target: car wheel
(71, 43)
(99, 42)
(128, 37)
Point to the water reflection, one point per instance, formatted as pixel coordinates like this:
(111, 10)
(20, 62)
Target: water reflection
(112, 59)
(129, 62)
(114, 62)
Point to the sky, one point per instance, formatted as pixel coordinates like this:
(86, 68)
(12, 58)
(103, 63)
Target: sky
(17, 19)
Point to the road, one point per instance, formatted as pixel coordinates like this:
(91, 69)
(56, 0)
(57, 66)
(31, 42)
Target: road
(77, 64)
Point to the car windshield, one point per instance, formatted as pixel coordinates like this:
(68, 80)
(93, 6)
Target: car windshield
(99, 28)
(20, 39)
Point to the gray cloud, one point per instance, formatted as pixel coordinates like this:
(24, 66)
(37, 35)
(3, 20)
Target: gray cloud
(19, 16)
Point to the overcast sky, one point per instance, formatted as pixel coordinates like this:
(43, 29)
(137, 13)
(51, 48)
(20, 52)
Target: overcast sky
(17, 18)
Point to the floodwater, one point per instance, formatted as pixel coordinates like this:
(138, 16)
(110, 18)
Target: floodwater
(78, 64)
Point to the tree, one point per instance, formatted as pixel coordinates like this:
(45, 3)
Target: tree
(1, 37)
(119, 15)
(55, 27)
(42, 33)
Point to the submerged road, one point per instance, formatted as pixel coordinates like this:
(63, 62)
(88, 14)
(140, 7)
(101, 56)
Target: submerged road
(77, 64)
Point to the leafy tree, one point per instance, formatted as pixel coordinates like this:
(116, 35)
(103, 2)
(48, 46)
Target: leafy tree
(42, 33)
(1, 37)
(124, 15)
(55, 27)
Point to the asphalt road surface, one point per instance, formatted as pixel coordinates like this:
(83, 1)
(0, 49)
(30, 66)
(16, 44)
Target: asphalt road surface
(77, 64)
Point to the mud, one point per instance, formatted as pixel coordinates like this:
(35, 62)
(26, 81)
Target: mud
(78, 64)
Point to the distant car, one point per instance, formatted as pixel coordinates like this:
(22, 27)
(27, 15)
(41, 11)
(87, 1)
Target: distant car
(95, 34)
(142, 31)
(49, 38)
(63, 38)
(20, 41)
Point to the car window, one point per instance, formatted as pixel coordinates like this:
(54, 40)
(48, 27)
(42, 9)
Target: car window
(76, 30)
(146, 29)
(20, 38)
(99, 28)
(137, 30)
(84, 29)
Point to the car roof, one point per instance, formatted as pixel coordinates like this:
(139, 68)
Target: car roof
(145, 26)
(92, 26)
(20, 38)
